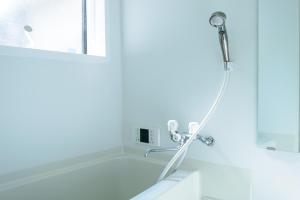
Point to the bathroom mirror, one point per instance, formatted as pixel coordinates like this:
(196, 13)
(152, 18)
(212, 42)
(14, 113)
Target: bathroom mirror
(278, 75)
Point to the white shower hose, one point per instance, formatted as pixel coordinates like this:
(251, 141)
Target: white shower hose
(183, 150)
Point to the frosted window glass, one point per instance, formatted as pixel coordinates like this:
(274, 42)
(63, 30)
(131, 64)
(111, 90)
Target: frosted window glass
(54, 25)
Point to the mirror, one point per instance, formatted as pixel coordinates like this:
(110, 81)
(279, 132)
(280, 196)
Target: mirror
(278, 75)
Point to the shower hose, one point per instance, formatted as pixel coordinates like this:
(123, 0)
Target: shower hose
(181, 153)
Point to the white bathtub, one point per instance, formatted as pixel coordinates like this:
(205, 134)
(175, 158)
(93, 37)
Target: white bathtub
(118, 177)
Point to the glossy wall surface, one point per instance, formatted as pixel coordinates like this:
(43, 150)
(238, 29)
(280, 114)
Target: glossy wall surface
(172, 70)
(54, 108)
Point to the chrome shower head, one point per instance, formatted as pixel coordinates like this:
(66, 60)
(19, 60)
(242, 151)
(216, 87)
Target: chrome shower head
(217, 20)
(28, 28)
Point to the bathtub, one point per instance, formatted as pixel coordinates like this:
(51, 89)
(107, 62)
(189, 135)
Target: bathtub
(113, 177)
(123, 174)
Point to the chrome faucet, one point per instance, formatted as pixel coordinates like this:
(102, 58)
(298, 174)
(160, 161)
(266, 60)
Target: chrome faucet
(161, 150)
(209, 140)
(181, 138)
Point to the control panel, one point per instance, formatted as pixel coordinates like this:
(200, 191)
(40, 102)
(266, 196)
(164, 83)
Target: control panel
(148, 136)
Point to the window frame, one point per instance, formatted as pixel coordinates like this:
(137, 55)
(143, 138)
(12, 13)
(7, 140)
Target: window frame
(23, 52)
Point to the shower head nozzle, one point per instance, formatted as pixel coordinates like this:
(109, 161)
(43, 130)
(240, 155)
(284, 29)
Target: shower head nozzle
(28, 28)
(217, 19)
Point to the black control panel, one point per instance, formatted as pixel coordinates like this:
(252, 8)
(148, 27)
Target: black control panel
(144, 135)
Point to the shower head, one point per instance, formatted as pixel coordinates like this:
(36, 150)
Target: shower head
(217, 20)
(28, 34)
(28, 28)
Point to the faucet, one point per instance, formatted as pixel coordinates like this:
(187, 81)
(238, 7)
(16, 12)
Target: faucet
(181, 138)
(161, 150)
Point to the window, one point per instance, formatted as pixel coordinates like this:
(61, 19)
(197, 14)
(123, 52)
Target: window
(73, 26)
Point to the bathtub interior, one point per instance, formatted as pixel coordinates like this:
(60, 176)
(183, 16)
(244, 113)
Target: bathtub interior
(118, 179)
(118, 174)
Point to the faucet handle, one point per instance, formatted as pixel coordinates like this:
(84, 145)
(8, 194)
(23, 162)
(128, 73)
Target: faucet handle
(173, 126)
(193, 127)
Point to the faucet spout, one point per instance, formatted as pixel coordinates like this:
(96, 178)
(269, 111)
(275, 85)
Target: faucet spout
(161, 150)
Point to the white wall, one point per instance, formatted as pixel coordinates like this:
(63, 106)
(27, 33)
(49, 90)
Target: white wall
(172, 70)
(56, 109)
